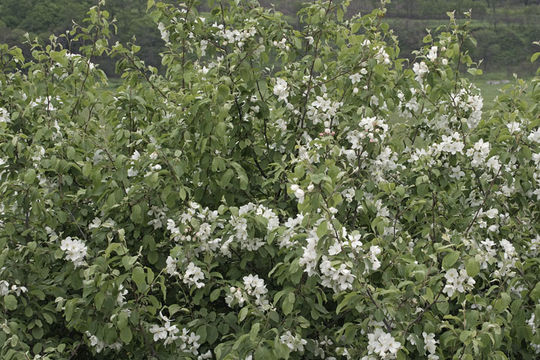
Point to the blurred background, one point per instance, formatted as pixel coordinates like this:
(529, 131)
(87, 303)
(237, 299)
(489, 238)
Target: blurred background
(504, 29)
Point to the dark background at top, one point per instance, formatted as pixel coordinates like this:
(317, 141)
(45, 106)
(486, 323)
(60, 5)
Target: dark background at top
(504, 29)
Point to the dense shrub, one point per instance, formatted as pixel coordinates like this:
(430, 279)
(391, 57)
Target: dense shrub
(274, 194)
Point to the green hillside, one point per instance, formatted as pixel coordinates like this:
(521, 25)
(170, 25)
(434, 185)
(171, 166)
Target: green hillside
(504, 29)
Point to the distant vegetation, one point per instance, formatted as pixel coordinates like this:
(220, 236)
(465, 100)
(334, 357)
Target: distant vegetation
(504, 29)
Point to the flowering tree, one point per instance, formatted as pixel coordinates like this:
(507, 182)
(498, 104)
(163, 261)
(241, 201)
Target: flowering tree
(275, 194)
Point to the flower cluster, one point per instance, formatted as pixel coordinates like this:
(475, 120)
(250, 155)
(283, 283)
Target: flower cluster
(432, 54)
(324, 110)
(382, 344)
(235, 37)
(4, 116)
(75, 250)
(372, 128)
(508, 261)
(281, 90)
(309, 257)
(255, 287)
(193, 276)
(457, 281)
(165, 35)
(290, 230)
(470, 105)
(298, 193)
(293, 342)
(167, 332)
(5, 288)
(339, 279)
(420, 70)
(430, 345)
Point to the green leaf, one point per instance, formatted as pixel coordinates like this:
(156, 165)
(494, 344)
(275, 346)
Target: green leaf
(10, 301)
(30, 176)
(254, 331)
(69, 309)
(138, 277)
(128, 261)
(263, 353)
(242, 176)
(126, 335)
(317, 66)
(535, 293)
(450, 259)
(223, 92)
(136, 214)
(242, 314)
(288, 303)
(502, 302)
(322, 229)
(214, 295)
(472, 266)
(212, 334)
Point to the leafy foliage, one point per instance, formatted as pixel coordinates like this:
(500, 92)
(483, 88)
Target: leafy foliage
(276, 193)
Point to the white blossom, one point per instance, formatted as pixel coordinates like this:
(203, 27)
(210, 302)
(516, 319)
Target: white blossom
(280, 90)
(420, 69)
(534, 136)
(457, 281)
(294, 343)
(75, 251)
(430, 344)
(193, 276)
(4, 116)
(383, 344)
(298, 193)
(432, 55)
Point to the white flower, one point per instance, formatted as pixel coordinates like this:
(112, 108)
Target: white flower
(4, 287)
(95, 342)
(432, 55)
(171, 266)
(132, 172)
(95, 224)
(531, 323)
(420, 69)
(207, 355)
(255, 286)
(75, 251)
(355, 78)
(457, 173)
(160, 333)
(513, 127)
(298, 192)
(373, 252)
(294, 343)
(280, 90)
(309, 257)
(235, 296)
(459, 282)
(122, 292)
(136, 155)
(193, 275)
(383, 344)
(534, 136)
(334, 249)
(491, 213)
(4, 116)
(339, 279)
(430, 344)
(164, 32)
